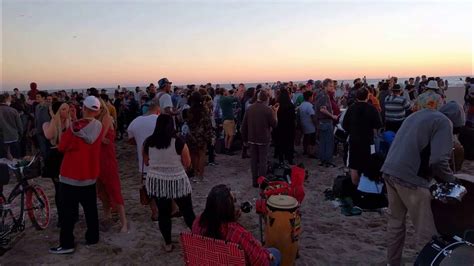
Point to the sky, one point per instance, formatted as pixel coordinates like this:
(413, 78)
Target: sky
(65, 44)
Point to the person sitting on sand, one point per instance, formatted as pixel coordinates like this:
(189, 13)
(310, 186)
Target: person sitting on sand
(167, 157)
(219, 221)
(421, 150)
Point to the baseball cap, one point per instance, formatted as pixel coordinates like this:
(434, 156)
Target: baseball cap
(91, 102)
(162, 82)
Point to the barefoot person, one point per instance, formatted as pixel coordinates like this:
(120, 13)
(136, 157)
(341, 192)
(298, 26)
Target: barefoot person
(108, 183)
(80, 168)
(167, 157)
(200, 134)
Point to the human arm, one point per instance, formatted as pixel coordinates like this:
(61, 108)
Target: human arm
(244, 128)
(441, 150)
(130, 134)
(107, 123)
(185, 157)
(255, 254)
(274, 118)
(146, 158)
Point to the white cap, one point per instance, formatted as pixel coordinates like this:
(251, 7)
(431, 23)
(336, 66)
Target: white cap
(91, 102)
(432, 84)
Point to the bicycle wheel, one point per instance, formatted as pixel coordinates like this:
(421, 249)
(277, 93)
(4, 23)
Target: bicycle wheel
(37, 205)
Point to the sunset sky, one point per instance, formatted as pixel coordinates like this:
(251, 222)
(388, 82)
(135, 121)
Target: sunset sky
(76, 44)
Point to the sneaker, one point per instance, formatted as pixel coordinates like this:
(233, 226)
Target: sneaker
(61, 250)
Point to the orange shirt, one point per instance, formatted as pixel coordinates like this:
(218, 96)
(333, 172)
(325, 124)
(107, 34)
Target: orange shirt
(375, 102)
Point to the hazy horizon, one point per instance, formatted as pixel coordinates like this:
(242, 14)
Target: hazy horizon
(80, 44)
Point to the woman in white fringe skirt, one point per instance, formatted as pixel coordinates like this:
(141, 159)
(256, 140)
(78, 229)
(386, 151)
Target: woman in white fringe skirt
(167, 157)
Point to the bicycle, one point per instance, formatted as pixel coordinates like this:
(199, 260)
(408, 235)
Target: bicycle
(32, 200)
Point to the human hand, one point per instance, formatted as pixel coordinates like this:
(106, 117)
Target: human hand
(106, 141)
(276, 107)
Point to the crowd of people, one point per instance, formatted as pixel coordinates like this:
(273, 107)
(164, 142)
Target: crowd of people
(174, 128)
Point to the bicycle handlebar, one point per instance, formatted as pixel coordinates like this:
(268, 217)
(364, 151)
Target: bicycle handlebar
(12, 164)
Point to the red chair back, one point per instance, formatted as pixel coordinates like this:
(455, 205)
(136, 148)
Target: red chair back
(200, 250)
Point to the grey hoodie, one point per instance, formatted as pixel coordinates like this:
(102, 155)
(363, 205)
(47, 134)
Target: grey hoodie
(90, 132)
(425, 128)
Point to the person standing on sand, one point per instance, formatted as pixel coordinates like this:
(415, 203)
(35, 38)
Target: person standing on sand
(396, 108)
(108, 183)
(430, 98)
(361, 122)
(285, 130)
(11, 127)
(80, 168)
(326, 120)
(164, 97)
(200, 134)
(42, 116)
(60, 122)
(421, 150)
(256, 132)
(226, 103)
(307, 117)
(139, 129)
(167, 157)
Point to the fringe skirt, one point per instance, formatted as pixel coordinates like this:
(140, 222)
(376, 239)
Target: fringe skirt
(169, 182)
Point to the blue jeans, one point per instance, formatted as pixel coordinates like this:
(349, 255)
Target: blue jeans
(276, 256)
(326, 141)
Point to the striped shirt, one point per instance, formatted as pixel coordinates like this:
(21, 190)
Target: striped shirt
(395, 108)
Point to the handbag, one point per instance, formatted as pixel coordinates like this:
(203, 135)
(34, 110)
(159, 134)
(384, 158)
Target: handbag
(144, 198)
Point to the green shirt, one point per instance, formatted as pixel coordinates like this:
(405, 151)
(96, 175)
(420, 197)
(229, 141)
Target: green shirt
(227, 107)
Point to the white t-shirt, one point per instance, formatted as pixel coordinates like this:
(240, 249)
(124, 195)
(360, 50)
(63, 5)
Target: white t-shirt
(141, 128)
(165, 100)
(306, 111)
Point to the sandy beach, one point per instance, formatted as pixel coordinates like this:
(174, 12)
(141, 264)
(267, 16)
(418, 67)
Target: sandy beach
(328, 238)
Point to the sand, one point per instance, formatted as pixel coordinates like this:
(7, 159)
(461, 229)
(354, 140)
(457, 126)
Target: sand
(328, 237)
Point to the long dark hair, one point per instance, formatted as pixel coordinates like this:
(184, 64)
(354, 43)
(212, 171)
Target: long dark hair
(197, 111)
(219, 210)
(284, 98)
(162, 135)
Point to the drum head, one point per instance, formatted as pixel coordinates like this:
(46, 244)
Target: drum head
(283, 202)
(463, 255)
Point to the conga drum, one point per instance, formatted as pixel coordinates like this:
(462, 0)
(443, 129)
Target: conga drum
(283, 227)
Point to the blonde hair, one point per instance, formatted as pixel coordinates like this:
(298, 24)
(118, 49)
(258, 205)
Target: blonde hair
(103, 112)
(56, 121)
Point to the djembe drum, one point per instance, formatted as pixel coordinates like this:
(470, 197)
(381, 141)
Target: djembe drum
(283, 227)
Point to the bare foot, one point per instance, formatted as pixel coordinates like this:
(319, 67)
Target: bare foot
(124, 229)
(168, 248)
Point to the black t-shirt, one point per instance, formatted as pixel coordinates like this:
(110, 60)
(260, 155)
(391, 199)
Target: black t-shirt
(360, 121)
